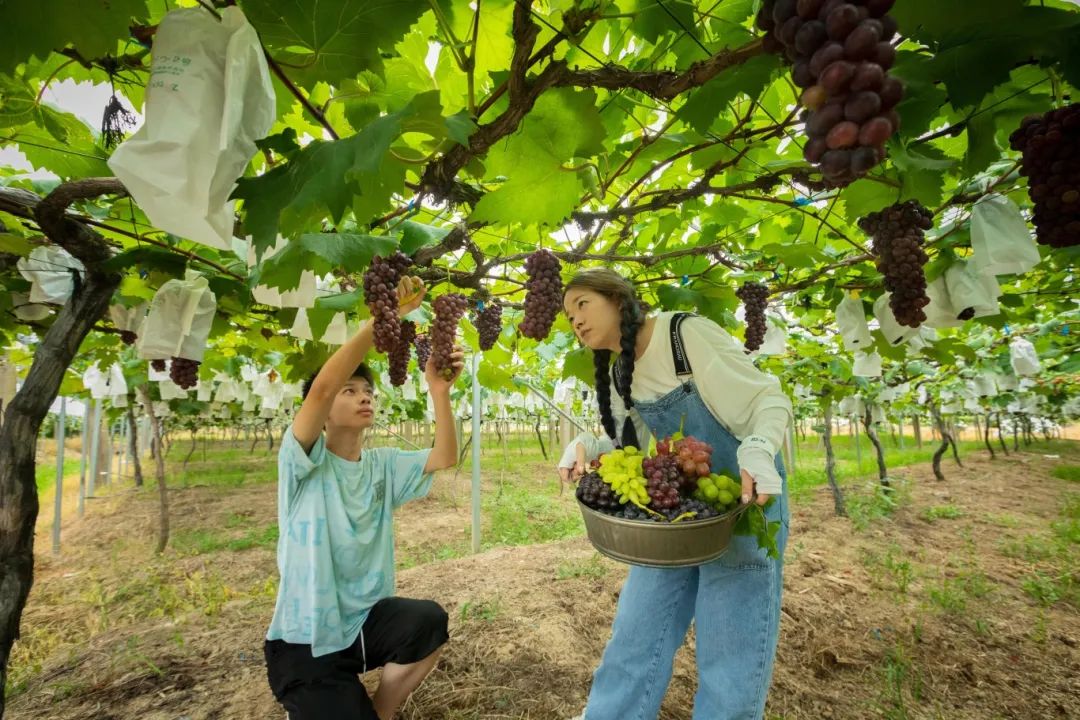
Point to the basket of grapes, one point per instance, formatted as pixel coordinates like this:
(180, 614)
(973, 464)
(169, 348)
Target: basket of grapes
(662, 509)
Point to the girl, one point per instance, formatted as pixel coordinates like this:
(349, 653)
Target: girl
(677, 371)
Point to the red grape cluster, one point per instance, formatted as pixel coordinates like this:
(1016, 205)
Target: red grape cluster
(663, 478)
(423, 350)
(184, 372)
(841, 54)
(596, 493)
(399, 356)
(543, 294)
(128, 337)
(488, 320)
(1051, 147)
(898, 236)
(158, 365)
(448, 311)
(755, 297)
(380, 293)
(695, 457)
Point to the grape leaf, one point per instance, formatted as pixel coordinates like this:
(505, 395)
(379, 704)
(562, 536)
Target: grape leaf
(323, 176)
(754, 522)
(94, 27)
(75, 157)
(654, 19)
(579, 363)
(331, 39)
(709, 102)
(322, 253)
(416, 235)
(517, 200)
(982, 149)
(563, 124)
(459, 127)
(341, 302)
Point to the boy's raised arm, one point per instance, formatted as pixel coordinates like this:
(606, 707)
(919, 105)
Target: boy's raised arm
(444, 451)
(310, 419)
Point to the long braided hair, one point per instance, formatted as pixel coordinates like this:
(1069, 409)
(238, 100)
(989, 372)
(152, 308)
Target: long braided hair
(618, 290)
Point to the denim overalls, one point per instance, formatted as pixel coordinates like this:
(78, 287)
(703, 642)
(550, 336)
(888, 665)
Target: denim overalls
(734, 600)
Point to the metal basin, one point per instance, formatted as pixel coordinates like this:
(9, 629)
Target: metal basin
(655, 544)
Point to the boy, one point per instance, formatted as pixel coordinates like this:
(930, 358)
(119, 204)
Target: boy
(581, 451)
(335, 616)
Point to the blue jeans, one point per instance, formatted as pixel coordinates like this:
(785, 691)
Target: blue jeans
(734, 602)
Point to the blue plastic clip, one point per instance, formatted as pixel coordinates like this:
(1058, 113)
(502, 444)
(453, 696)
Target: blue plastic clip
(1064, 329)
(802, 202)
(685, 279)
(1006, 328)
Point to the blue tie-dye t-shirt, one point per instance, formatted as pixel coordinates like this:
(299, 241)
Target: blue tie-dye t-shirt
(335, 548)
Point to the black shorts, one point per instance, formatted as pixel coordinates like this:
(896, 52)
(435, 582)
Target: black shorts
(397, 630)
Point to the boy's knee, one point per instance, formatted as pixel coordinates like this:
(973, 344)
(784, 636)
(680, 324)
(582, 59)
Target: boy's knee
(434, 618)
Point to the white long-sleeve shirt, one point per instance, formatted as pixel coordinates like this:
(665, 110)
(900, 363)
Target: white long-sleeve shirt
(745, 400)
(594, 447)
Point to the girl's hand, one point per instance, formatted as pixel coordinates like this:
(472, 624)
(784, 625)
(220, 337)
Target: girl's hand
(410, 293)
(578, 471)
(748, 489)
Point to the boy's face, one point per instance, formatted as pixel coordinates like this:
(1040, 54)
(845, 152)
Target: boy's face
(354, 406)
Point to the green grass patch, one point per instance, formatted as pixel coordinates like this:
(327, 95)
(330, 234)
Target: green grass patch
(45, 473)
(874, 502)
(482, 611)
(593, 568)
(202, 540)
(890, 569)
(515, 515)
(1067, 472)
(953, 594)
(941, 512)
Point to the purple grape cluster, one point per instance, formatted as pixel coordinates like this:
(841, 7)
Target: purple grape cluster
(898, 237)
(543, 294)
(596, 493)
(448, 311)
(755, 297)
(184, 372)
(399, 356)
(380, 293)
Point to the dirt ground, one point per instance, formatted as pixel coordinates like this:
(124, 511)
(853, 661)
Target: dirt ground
(962, 603)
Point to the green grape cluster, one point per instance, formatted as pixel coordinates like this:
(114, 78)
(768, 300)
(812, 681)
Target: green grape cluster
(720, 491)
(621, 469)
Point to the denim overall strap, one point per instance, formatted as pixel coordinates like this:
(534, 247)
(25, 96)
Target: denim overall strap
(734, 602)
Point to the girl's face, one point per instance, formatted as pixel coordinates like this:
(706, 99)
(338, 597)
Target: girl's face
(594, 318)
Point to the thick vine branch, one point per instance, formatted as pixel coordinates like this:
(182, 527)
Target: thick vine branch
(662, 84)
(671, 198)
(50, 214)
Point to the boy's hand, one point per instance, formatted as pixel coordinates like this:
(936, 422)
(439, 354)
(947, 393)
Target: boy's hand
(410, 292)
(440, 382)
